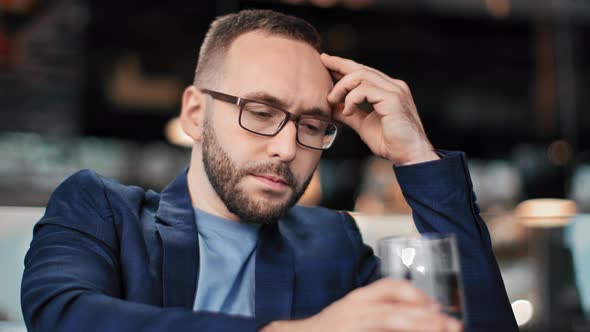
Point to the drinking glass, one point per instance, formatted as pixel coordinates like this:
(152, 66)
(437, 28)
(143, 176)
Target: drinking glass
(431, 263)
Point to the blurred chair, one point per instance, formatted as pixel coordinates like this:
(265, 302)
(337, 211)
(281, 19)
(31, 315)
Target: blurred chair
(16, 230)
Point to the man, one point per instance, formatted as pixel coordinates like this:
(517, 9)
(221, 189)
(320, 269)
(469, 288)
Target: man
(222, 248)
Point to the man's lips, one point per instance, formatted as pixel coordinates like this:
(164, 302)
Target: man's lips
(272, 178)
(272, 181)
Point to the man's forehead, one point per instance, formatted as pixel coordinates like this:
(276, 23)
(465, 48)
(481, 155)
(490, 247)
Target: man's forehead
(275, 67)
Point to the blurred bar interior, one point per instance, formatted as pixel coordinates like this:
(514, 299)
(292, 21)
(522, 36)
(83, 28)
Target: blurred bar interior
(97, 84)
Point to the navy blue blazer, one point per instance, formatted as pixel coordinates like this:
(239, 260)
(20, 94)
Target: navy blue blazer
(109, 257)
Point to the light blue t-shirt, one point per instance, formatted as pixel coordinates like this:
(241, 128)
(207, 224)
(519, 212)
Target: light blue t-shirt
(226, 268)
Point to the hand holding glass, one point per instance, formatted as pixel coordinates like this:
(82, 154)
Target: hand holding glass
(431, 263)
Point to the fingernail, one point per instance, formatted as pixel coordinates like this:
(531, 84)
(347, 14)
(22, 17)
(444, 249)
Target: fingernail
(454, 325)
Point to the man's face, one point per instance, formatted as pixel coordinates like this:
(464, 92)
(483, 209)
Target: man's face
(259, 178)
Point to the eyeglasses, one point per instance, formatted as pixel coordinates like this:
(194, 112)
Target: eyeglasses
(267, 120)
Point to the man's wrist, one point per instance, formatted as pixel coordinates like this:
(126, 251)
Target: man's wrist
(422, 156)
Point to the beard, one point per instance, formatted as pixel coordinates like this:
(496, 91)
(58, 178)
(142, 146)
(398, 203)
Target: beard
(225, 176)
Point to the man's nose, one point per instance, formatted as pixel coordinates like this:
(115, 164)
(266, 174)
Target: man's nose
(284, 144)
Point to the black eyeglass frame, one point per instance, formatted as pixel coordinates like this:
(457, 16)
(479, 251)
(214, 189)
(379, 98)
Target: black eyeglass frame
(241, 102)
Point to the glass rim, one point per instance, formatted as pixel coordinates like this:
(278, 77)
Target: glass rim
(429, 237)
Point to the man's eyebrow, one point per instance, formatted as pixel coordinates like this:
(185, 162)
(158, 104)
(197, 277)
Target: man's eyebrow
(317, 112)
(266, 98)
(275, 101)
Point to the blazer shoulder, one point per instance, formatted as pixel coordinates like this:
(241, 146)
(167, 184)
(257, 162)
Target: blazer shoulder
(94, 188)
(82, 178)
(84, 190)
(84, 202)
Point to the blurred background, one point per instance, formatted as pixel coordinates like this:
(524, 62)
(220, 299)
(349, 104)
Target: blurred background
(97, 84)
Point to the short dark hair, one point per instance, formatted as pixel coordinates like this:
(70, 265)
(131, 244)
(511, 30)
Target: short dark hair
(225, 29)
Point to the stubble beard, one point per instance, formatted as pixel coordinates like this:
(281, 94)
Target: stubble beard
(224, 177)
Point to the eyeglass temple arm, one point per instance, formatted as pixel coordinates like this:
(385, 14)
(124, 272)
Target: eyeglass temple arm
(222, 96)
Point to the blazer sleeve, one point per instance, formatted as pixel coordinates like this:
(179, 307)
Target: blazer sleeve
(441, 196)
(72, 280)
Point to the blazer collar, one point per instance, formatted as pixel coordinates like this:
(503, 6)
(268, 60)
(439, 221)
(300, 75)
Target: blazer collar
(275, 275)
(176, 226)
(175, 208)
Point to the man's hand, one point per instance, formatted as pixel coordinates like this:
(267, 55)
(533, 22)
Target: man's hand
(386, 305)
(391, 126)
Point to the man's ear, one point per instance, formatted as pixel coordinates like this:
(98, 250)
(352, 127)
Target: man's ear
(192, 115)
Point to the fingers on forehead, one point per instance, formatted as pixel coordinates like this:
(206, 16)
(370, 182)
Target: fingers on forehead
(344, 66)
(353, 81)
(336, 76)
(339, 64)
(353, 120)
(358, 76)
(341, 89)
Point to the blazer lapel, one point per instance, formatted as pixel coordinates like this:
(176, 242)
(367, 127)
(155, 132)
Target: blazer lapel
(176, 227)
(274, 275)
